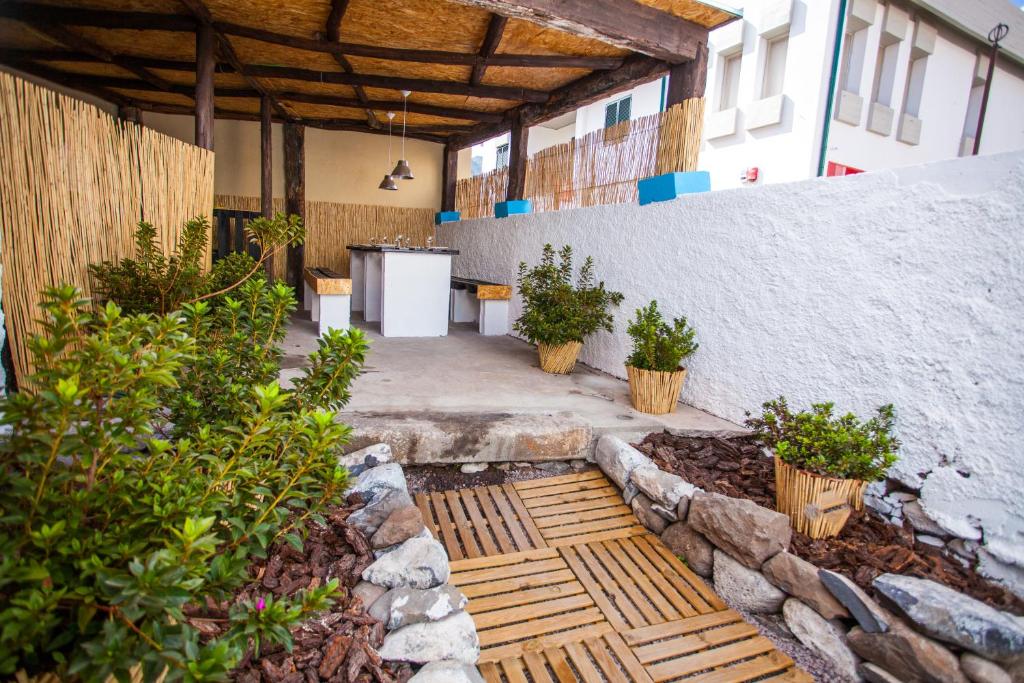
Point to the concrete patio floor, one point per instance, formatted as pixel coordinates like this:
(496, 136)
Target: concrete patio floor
(466, 398)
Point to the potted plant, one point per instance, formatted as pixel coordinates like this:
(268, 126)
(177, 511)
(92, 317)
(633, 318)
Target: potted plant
(654, 370)
(821, 457)
(558, 315)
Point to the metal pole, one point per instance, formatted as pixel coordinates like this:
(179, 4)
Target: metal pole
(994, 36)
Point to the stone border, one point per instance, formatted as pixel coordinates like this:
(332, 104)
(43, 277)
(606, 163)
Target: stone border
(742, 547)
(406, 588)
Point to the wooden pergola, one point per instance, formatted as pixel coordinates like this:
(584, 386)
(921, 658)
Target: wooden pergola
(476, 68)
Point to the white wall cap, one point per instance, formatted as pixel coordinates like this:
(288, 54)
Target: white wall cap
(894, 26)
(924, 40)
(765, 112)
(910, 130)
(719, 124)
(776, 16)
(849, 107)
(860, 15)
(880, 119)
(729, 38)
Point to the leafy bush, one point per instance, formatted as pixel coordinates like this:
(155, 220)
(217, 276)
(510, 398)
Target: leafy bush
(656, 345)
(833, 446)
(107, 532)
(153, 282)
(555, 311)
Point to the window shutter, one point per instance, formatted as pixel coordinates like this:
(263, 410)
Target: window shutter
(611, 115)
(625, 105)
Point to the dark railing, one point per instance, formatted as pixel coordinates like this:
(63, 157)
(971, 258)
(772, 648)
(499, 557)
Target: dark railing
(229, 232)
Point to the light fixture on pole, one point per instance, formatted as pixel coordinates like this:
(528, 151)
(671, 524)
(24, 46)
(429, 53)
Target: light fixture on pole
(402, 169)
(389, 183)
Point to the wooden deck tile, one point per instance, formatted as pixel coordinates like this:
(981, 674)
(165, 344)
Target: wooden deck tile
(564, 585)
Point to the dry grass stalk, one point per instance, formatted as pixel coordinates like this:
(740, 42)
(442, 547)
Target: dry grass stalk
(655, 392)
(559, 359)
(74, 182)
(798, 492)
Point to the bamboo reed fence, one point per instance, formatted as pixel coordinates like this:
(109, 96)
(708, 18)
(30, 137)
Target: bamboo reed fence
(332, 225)
(74, 183)
(601, 167)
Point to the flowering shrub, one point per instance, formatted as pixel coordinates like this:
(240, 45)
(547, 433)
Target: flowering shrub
(108, 531)
(834, 446)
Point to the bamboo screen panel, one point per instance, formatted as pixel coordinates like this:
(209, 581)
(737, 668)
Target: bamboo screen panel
(601, 167)
(74, 182)
(332, 225)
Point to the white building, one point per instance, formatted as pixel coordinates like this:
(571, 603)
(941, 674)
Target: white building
(907, 78)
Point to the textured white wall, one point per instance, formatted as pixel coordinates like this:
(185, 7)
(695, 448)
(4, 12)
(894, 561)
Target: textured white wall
(901, 286)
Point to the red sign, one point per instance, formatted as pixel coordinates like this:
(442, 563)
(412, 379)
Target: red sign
(834, 169)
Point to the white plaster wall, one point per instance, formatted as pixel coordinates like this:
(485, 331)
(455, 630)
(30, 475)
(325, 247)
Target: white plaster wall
(895, 286)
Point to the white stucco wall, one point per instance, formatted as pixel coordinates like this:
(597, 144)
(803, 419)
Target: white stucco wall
(899, 286)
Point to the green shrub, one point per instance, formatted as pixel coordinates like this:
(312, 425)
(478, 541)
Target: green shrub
(107, 531)
(153, 282)
(555, 311)
(656, 345)
(833, 446)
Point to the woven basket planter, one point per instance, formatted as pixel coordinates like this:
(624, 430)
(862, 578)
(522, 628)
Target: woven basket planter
(816, 505)
(559, 359)
(653, 391)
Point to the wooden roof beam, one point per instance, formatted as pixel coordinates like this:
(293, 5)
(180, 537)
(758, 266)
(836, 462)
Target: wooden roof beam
(333, 33)
(624, 23)
(495, 29)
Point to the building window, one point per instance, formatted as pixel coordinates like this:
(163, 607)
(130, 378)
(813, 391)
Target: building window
(915, 87)
(729, 82)
(617, 112)
(854, 48)
(774, 66)
(502, 156)
(885, 73)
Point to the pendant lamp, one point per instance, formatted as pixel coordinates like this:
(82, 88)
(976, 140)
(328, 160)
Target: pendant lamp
(389, 183)
(402, 169)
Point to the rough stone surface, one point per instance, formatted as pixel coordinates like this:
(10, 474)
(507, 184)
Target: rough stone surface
(924, 306)
(799, 578)
(553, 467)
(668, 514)
(451, 638)
(683, 508)
(907, 655)
(953, 617)
(980, 670)
(743, 587)
(371, 456)
(630, 492)
(368, 592)
(373, 482)
(876, 674)
(380, 552)
(368, 519)
(473, 467)
(644, 511)
(401, 525)
(869, 615)
(811, 629)
(691, 546)
(662, 487)
(403, 606)
(919, 519)
(447, 671)
(742, 528)
(617, 459)
(417, 563)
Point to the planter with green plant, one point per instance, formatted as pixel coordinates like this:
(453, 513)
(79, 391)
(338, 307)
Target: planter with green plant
(824, 462)
(557, 314)
(654, 367)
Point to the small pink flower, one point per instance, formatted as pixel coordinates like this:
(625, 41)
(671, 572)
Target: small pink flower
(261, 605)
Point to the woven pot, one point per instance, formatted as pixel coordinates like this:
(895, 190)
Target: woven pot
(559, 359)
(816, 505)
(654, 391)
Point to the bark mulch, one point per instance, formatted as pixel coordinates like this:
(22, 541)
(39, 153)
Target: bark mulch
(867, 546)
(338, 645)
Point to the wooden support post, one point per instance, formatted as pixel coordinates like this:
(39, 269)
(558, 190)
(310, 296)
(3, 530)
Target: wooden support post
(517, 158)
(266, 166)
(206, 60)
(295, 194)
(130, 114)
(688, 79)
(449, 174)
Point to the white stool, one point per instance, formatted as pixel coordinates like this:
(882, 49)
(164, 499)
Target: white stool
(329, 298)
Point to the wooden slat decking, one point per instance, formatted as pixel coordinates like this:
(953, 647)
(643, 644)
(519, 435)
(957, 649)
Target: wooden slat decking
(565, 585)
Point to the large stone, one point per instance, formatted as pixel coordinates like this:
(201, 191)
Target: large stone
(376, 481)
(919, 519)
(953, 617)
(403, 606)
(401, 525)
(643, 509)
(417, 563)
(380, 552)
(742, 528)
(871, 617)
(371, 456)
(906, 654)
(872, 673)
(447, 671)
(799, 578)
(980, 670)
(691, 546)
(617, 459)
(451, 638)
(368, 593)
(745, 588)
(369, 518)
(814, 631)
(662, 487)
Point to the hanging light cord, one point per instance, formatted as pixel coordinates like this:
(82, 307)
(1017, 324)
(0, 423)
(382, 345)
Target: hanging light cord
(405, 104)
(391, 121)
